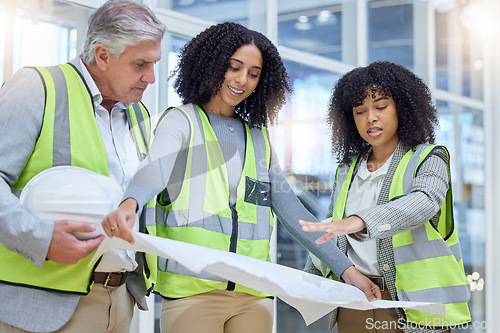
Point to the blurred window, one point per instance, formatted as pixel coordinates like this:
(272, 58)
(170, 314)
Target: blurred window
(462, 132)
(460, 26)
(311, 26)
(390, 32)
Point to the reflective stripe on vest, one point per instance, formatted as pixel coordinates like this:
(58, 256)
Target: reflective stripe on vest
(339, 195)
(426, 251)
(202, 215)
(147, 224)
(141, 127)
(140, 123)
(65, 138)
(429, 266)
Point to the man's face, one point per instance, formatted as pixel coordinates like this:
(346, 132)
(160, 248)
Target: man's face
(127, 77)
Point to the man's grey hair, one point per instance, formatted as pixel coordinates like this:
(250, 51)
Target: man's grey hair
(118, 24)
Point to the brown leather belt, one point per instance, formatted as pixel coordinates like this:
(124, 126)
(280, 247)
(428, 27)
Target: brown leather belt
(110, 279)
(379, 281)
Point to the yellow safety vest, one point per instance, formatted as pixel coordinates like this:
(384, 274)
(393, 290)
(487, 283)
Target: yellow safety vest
(69, 136)
(428, 259)
(202, 214)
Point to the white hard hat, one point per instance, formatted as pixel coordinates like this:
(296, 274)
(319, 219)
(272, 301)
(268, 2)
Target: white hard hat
(68, 192)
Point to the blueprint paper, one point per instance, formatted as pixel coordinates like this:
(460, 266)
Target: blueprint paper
(313, 296)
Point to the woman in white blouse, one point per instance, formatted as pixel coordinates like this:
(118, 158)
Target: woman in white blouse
(391, 204)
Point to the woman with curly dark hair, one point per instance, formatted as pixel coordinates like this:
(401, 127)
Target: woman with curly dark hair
(416, 113)
(220, 182)
(391, 204)
(206, 60)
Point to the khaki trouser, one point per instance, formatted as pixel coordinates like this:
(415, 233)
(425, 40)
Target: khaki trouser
(103, 310)
(369, 321)
(218, 311)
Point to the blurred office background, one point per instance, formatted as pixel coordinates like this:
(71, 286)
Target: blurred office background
(454, 45)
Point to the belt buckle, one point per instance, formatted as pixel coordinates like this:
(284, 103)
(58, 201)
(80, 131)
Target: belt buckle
(379, 281)
(108, 277)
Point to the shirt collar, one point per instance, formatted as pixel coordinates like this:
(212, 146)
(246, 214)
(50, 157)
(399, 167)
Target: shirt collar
(364, 174)
(94, 90)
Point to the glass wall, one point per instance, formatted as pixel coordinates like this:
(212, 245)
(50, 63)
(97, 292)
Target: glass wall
(313, 26)
(41, 34)
(43, 44)
(319, 41)
(2, 42)
(251, 13)
(301, 140)
(176, 42)
(213, 11)
(303, 137)
(391, 39)
(462, 132)
(459, 51)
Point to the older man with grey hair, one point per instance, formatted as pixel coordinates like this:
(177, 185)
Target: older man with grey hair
(75, 114)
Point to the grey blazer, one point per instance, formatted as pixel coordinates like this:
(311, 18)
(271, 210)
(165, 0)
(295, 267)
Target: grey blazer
(22, 103)
(421, 204)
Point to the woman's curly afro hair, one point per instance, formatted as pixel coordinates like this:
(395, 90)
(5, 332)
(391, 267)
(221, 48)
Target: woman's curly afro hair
(203, 62)
(416, 111)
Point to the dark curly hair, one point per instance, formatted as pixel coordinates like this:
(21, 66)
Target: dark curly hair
(203, 62)
(416, 111)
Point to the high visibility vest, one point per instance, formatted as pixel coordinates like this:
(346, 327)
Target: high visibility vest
(147, 225)
(69, 136)
(203, 215)
(428, 259)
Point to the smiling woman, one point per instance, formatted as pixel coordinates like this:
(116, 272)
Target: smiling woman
(240, 81)
(219, 182)
(211, 59)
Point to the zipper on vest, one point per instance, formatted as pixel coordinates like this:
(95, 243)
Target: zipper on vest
(234, 239)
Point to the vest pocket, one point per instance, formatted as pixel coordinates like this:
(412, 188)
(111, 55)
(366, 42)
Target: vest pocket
(257, 192)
